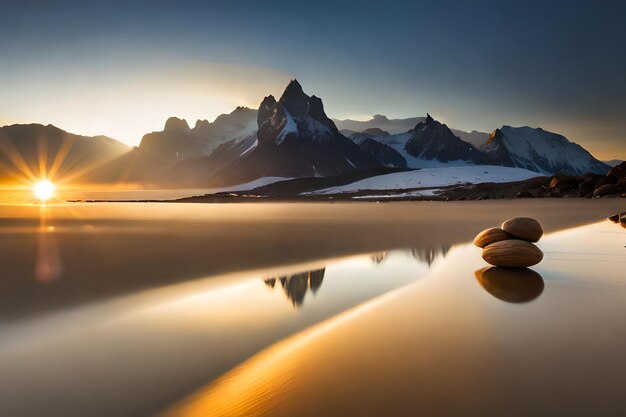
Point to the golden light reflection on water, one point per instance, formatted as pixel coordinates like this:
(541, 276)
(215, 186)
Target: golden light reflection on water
(48, 266)
(446, 346)
(257, 386)
(183, 331)
(100, 329)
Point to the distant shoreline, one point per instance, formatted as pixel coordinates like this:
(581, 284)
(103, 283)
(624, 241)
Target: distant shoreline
(538, 187)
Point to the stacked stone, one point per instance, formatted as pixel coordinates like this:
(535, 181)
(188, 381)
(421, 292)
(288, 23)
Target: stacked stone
(511, 245)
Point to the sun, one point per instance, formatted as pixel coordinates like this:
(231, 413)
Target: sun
(44, 190)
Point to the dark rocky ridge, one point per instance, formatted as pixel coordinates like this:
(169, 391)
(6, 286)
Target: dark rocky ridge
(385, 154)
(432, 140)
(560, 186)
(297, 139)
(398, 126)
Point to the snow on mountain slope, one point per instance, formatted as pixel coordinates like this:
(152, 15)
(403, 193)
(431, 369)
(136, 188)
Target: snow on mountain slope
(384, 153)
(297, 139)
(435, 177)
(541, 151)
(259, 182)
(398, 143)
(398, 126)
(432, 140)
(240, 122)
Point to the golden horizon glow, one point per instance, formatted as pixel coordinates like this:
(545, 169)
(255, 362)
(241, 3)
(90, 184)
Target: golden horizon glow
(126, 106)
(44, 190)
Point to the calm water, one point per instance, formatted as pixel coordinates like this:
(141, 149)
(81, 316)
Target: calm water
(307, 309)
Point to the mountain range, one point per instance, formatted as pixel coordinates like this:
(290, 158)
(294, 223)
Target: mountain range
(397, 126)
(291, 137)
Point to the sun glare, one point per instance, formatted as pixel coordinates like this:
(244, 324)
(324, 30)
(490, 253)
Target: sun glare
(44, 190)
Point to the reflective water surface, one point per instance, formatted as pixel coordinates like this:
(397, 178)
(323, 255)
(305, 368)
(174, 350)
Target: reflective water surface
(307, 309)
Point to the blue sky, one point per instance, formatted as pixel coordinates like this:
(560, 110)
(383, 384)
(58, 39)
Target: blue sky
(120, 68)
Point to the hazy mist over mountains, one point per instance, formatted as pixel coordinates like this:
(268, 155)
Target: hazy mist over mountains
(291, 137)
(395, 126)
(29, 152)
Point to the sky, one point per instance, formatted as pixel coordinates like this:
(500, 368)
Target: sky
(122, 68)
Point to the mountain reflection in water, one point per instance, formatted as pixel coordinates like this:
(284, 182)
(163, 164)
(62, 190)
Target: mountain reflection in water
(450, 338)
(296, 286)
(174, 297)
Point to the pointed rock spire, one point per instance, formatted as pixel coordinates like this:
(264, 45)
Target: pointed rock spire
(293, 89)
(295, 100)
(266, 110)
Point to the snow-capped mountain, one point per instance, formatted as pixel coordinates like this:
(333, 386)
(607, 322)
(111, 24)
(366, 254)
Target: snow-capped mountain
(291, 137)
(180, 141)
(541, 151)
(297, 139)
(385, 154)
(199, 171)
(161, 151)
(399, 126)
(430, 144)
(239, 123)
(432, 140)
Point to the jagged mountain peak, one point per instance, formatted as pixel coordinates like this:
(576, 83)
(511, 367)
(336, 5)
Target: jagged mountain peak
(295, 116)
(266, 109)
(295, 101)
(175, 124)
(294, 88)
(241, 115)
(429, 123)
(433, 140)
(297, 139)
(493, 135)
(241, 109)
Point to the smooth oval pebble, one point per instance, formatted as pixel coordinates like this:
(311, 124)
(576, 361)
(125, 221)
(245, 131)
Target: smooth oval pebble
(488, 236)
(512, 253)
(523, 228)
